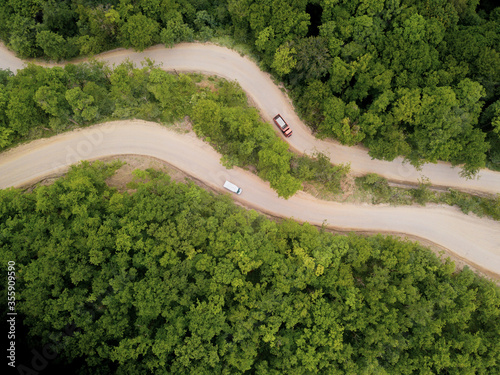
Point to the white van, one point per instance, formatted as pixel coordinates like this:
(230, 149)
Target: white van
(232, 187)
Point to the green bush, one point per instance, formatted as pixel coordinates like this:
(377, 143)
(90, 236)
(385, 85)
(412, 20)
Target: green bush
(319, 169)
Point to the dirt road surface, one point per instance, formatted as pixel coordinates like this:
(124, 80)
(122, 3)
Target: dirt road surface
(477, 240)
(270, 100)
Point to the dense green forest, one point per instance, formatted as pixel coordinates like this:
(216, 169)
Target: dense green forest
(418, 78)
(169, 278)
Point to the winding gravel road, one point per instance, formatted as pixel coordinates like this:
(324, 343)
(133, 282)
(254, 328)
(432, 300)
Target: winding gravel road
(476, 240)
(221, 61)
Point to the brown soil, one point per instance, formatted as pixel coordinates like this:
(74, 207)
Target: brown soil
(348, 186)
(123, 176)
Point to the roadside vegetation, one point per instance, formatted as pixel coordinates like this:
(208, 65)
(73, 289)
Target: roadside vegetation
(413, 78)
(172, 279)
(380, 191)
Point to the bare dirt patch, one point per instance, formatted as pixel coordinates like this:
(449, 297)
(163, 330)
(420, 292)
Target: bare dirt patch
(123, 176)
(348, 186)
(350, 193)
(207, 83)
(184, 126)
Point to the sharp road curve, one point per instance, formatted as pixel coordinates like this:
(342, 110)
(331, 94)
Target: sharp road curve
(270, 100)
(476, 240)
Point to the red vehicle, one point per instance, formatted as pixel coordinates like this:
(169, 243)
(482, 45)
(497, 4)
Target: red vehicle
(281, 123)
